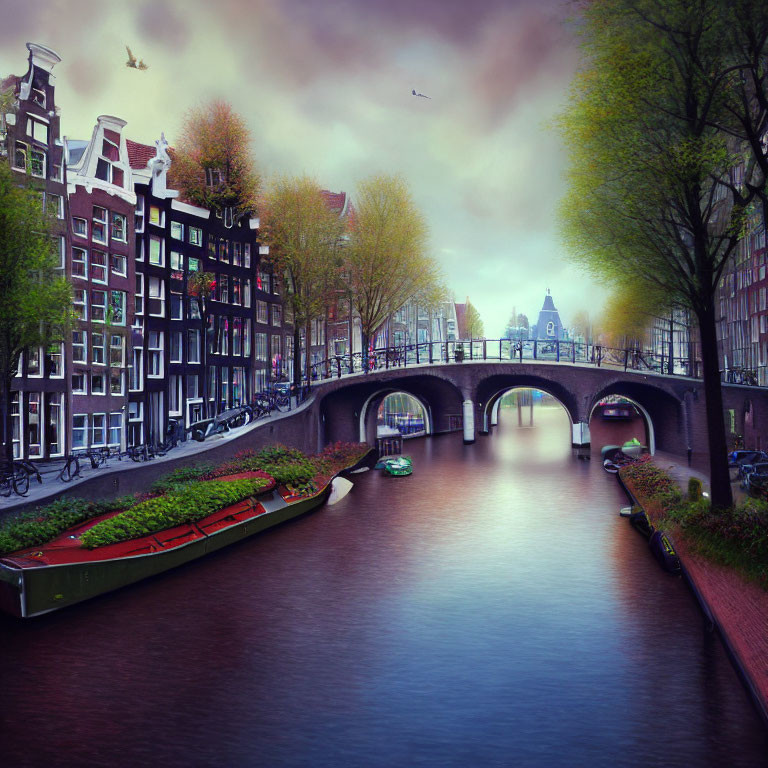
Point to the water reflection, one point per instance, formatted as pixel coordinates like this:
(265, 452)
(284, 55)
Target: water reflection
(490, 609)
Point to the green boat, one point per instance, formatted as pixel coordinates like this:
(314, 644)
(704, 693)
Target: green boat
(398, 467)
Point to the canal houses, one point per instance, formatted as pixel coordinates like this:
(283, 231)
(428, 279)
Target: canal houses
(30, 141)
(101, 268)
(240, 322)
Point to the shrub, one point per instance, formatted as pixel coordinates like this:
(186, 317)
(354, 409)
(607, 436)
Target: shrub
(194, 502)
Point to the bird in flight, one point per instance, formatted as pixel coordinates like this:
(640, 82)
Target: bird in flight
(132, 62)
(421, 95)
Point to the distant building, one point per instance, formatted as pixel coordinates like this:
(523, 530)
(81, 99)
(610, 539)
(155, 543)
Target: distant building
(548, 327)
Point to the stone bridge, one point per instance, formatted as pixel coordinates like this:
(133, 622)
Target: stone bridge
(465, 396)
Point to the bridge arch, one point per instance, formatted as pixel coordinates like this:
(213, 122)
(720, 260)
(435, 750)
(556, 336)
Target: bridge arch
(373, 402)
(662, 411)
(491, 409)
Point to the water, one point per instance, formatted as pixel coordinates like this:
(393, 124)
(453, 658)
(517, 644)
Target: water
(490, 610)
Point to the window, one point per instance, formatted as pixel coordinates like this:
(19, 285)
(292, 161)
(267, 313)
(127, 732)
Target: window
(237, 254)
(79, 227)
(261, 346)
(156, 251)
(177, 260)
(212, 177)
(225, 386)
(98, 306)
(246, 254)
(277, 315)
(223, 288)
(110, 150)
(116, 350)
(20, 156)
(177, 230)
(262, 281)
(177, 306)
(37, 130)
(238, 381)
(211, 247)
(193, 265)
(193, 386)
(155, 349)
(99, 224)
(116, 381)
(98, 266)
(176, 345)
(79, 430)
(138, 220)
(34, 362)
(224, 335)
(98, 386)
(80, 303)
(138, 300)
(62, 251)
(119, 265)
(237, 297)
(78, 347)
(194, 309)
(37, 162)
(195, 236)
(246, 337)
(98, 355)
(80, 263)
(55, 424)
(54, 205)
(174, 395)
(135, 411)
(136, 381)
(237, 336)
(55, 358)
(550, 329)
(99, 429)
(78, 384)
(34, 425)
(156, 296)
(224, 250)
(155, 216)
(193, 345)
(115, 428)
(247, 293)
(119, 227)
(261, 312)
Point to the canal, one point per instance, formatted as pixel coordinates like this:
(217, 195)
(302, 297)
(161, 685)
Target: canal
(491, 609)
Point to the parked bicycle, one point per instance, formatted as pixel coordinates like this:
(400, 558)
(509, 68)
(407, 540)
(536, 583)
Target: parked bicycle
(14, 478)
(71, 468)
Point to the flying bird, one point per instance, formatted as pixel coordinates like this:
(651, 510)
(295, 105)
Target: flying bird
(132, 62)
(421, 95)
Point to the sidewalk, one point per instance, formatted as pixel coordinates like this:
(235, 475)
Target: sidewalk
(739, 608)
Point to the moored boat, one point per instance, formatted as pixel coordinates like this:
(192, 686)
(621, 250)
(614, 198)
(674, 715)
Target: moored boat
(45, 578)
(398, 467)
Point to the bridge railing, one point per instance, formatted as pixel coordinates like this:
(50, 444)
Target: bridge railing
(506, 350)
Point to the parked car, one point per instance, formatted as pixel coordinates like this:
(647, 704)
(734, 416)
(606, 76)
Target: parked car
(751, 471)
(735, 458)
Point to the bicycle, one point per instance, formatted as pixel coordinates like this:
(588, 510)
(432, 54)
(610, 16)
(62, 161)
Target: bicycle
(71, 468)
(14, 479)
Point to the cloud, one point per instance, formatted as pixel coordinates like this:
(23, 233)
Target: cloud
(160, 22)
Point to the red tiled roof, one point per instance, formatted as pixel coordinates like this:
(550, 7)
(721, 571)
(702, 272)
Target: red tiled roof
(335, 200)
(139, 154)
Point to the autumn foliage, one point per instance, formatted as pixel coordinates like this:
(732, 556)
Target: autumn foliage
(212, 164)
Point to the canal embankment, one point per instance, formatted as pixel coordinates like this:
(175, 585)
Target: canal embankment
(736, 606)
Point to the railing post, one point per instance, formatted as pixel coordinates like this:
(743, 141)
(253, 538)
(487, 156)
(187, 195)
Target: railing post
(484, 350)
(626, 358)
(470, 348)
(446, 351)
(535, 348)
(417, 353)
(573, 352)
(557, 350)
(338, 367)
(499, 350)
(430, 353)
(405, 355)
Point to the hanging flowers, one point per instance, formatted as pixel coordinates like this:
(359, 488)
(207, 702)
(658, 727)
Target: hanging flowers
(201, 285)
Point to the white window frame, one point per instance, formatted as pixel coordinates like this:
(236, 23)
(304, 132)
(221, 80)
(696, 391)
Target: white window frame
(83, 428)
(103, 222)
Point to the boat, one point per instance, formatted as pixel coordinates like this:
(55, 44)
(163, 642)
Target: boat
(664, 552)
(633, 447)
(399, 466)
(61, 573)
(617, 411)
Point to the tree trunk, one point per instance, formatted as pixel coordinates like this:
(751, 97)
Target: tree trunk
(296, 355)
(718, 450)
(8, 418)
(364, 337)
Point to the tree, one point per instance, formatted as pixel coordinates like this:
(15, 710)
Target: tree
(385, 262)
(201, 286)
(582, 326)
(35, 300)
(474, 322)
(212, 164)
(628, 314)
(304, 235)
(650, 198)
(522, 321)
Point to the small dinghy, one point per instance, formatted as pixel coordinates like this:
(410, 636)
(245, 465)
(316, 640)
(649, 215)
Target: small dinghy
(664, 552)
(640, 522)
(399, 467)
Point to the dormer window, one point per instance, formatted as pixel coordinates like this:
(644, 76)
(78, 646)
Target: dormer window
(212, 177)
(110, 153)
(37, 96)
(550, 329)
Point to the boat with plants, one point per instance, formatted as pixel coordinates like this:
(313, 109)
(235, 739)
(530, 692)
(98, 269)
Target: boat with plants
(75, 549)
(399, 466)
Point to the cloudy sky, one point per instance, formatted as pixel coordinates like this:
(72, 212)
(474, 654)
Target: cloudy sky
(326, 88)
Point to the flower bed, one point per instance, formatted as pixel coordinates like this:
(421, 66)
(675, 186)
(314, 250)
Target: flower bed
(736, 537)
(187, 505)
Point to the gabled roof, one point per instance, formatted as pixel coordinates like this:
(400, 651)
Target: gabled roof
(139, 154)
(336, 201)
